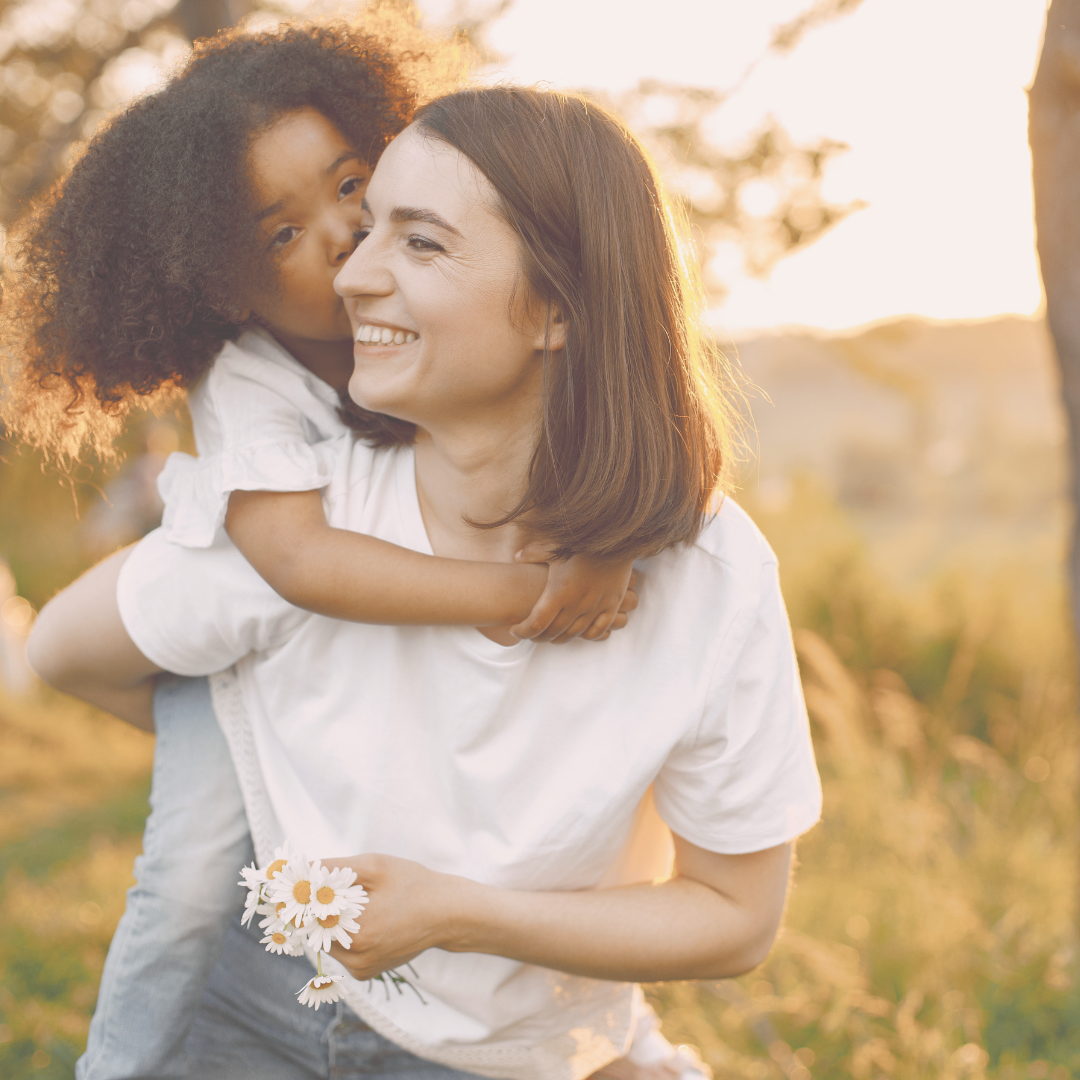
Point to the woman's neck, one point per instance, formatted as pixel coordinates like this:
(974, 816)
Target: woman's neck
(475, 472)
(331, 361)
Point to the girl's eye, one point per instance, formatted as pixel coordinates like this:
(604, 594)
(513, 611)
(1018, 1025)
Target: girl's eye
(361, 234)
(422, 243)
(350, 186)
(284, 235)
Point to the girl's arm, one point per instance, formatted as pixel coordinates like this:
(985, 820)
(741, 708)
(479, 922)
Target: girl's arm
(715, 918)
(79, 645)
(347, 575)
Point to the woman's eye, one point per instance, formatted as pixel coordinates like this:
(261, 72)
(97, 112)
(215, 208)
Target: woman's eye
(361, 234)
(350, 186)
(284, 235)
(422, 243)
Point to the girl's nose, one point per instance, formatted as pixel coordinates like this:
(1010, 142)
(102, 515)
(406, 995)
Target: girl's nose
(340, 235)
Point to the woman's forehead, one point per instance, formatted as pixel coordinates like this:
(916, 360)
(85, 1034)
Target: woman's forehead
(418, 170)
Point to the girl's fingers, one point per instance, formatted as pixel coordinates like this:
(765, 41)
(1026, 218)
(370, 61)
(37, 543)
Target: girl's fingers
(540, 618)
(558, 627)
(533, 553)
(577, 627)
(600, 626)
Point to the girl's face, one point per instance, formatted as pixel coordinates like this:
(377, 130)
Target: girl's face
(438, 272)
(309, 183)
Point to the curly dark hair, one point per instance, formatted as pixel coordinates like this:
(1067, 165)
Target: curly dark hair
(126, 279)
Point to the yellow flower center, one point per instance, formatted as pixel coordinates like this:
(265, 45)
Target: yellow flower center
(302, 892)
(275, 868)
(279, 938)
(278, 909)
(325, 895)
(330, 920)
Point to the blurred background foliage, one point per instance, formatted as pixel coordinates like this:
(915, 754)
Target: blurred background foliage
(910, 478)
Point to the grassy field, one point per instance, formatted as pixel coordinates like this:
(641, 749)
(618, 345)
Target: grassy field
(931, 928)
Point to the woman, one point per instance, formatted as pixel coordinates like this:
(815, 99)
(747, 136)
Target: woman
(500, 793)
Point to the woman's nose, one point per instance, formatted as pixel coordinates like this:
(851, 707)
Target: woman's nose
(364, 273)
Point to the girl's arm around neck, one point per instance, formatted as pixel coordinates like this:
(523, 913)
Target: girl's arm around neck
(79, 645)
(715, 918)
(347, 575)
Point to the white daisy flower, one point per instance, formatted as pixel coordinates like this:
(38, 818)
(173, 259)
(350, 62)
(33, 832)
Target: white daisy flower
(322, 988)
(251, 906)
(294, 885)
(281, 942)
(335, 892)
(254, 876)
(322, 933)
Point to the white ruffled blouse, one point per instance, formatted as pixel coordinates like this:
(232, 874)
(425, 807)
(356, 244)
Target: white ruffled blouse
(262, 422)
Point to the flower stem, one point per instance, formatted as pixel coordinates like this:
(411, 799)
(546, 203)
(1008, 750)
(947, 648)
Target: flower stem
(319, 963)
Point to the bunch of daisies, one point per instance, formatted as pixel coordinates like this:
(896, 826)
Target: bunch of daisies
(304, 903)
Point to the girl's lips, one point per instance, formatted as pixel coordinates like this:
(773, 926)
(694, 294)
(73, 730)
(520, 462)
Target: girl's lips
(370, 334)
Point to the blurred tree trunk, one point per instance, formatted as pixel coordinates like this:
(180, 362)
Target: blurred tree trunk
(204, 18)
(1054, 134)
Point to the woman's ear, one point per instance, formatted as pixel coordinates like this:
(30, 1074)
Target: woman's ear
(551, 331)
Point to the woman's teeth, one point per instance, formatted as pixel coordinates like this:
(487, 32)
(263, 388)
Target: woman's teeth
(383, 335)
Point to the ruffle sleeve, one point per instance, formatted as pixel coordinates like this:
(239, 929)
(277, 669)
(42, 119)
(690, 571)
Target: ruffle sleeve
(196, 490)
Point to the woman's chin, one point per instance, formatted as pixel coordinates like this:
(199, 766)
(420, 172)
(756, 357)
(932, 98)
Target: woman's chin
(388, 404)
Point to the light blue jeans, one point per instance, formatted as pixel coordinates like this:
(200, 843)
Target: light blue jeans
(251, 1027)
(186, 992)
(185, 895)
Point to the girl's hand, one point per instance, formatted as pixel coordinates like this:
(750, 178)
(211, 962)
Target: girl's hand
(585, 597)
(410, 909)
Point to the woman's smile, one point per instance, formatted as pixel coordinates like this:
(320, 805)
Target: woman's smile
(380, 335)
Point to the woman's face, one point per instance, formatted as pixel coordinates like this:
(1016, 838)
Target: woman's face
(438, 274)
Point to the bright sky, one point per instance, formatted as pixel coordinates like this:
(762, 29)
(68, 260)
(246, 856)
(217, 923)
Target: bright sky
(928, 93)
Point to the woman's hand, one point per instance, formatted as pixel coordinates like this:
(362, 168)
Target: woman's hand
(715, 918)
(411, 908)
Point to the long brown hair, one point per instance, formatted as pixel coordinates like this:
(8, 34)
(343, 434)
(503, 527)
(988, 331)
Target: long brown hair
(633, 447)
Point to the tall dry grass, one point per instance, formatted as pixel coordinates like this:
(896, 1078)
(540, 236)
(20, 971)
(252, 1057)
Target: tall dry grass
(930, 931)
(931, 928)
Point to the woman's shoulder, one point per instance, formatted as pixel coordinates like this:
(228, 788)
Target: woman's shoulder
(726, 569)
(731, 538)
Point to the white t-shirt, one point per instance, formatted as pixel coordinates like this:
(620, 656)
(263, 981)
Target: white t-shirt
(262, 422)
(527, 767)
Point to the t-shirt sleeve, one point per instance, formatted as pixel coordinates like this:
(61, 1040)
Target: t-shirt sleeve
(746, 779)
(275, 435)
(197, 611)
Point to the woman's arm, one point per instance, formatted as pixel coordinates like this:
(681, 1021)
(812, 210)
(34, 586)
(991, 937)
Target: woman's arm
(716, 917)
(346, 575)
(79, 645)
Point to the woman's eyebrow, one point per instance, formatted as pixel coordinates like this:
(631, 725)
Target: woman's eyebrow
(402, 214)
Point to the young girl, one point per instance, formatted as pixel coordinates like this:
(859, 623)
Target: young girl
(194, 245)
